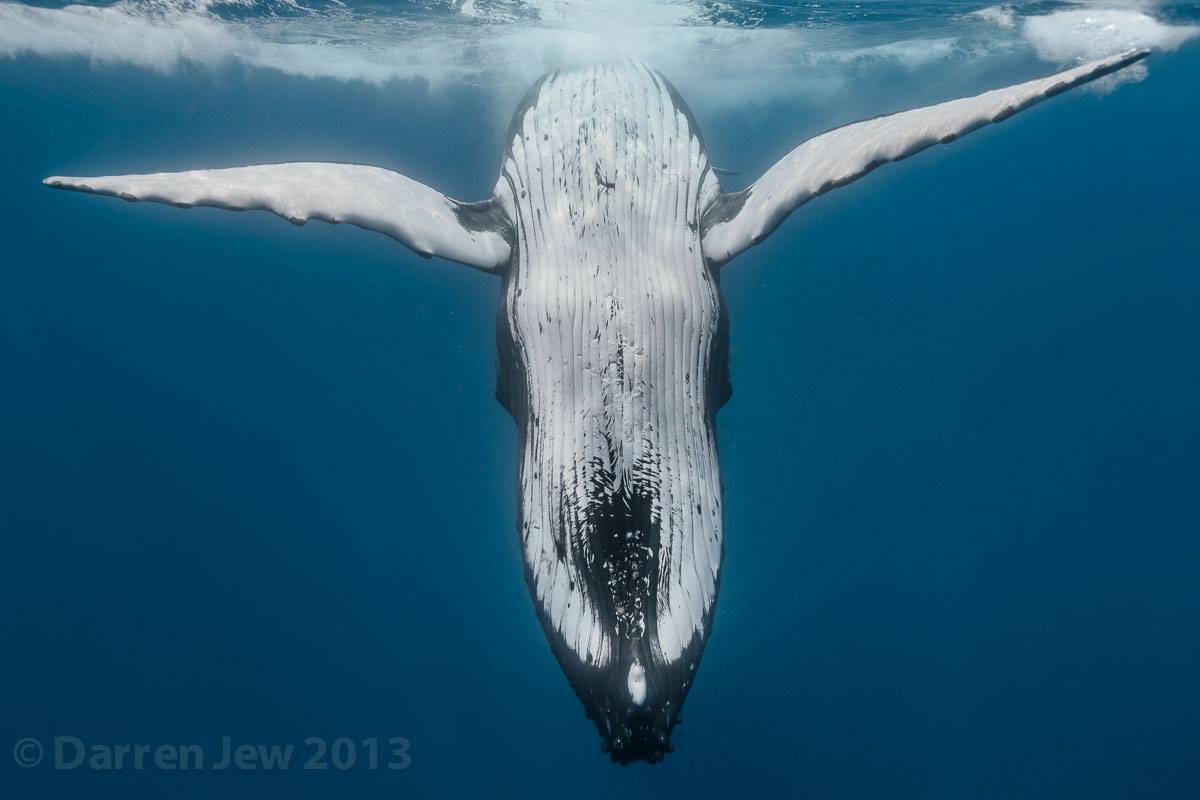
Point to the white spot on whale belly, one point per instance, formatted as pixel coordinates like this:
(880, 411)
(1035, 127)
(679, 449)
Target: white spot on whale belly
(636, 683)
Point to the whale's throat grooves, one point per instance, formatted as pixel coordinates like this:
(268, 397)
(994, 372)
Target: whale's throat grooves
(614, 361)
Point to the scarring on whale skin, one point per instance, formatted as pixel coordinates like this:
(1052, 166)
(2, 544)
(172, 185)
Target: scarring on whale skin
(608, 229)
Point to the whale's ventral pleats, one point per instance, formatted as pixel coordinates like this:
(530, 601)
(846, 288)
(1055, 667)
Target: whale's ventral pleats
(613, 362)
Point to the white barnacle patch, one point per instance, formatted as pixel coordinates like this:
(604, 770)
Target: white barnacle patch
(636, 683)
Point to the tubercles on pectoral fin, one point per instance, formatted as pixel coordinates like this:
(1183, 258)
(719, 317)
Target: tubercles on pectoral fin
(736, 221)
(475, 234)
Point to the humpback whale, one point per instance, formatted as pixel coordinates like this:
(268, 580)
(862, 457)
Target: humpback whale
(608, 229)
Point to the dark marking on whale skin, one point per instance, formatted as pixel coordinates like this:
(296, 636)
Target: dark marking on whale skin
(602, 182)
(724, 208)
(484, 216)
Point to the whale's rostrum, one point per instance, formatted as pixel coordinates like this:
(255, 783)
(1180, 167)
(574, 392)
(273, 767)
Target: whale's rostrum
(608, 229)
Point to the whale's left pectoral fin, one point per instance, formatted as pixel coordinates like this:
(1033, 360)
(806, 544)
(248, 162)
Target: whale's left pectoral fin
(369, 197)
(738, 220)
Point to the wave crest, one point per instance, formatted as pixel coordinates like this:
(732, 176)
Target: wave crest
(736, 51)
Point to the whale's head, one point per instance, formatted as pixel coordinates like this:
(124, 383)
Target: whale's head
(613, 361)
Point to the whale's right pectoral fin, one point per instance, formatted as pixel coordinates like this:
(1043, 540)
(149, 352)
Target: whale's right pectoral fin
(739, 220)
(377, 199)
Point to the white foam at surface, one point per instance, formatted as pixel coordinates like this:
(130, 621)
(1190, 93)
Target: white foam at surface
(1091, 33)
(999, 15)
(508, 45)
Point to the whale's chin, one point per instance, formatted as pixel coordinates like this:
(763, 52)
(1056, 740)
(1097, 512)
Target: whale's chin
(630, 734)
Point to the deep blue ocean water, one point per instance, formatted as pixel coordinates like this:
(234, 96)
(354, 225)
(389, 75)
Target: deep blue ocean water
(255, 482)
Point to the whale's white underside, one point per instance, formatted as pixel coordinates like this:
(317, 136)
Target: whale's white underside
(615, 315)
(608, 227)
